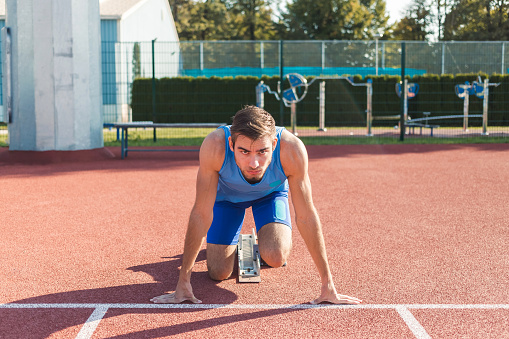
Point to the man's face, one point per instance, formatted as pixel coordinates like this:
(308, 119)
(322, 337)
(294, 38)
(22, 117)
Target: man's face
(253, 157)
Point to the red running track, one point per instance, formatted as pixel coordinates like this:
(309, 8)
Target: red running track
(419, 232)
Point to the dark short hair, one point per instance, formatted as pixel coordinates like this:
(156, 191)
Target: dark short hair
(253, 122)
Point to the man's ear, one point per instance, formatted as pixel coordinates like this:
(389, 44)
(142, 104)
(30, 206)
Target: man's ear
(230, 142)
(274, 144)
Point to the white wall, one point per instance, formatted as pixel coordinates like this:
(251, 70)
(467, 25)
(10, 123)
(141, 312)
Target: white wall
(153, 20)
(150, 19)
(56, 75)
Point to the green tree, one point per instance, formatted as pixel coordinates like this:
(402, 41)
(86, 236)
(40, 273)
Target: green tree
(224, 19)
(417, 24)
(204, 20)
(177, 7)
(442, 8)
(477, 20)
(251, 19)
(136, 61)
(333, 19)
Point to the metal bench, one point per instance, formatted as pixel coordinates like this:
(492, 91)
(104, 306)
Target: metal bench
(124, 140)
(413, 125)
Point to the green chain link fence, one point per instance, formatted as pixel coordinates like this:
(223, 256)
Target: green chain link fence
(208, 81)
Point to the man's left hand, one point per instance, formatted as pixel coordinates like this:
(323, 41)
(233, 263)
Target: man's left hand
(329, 294)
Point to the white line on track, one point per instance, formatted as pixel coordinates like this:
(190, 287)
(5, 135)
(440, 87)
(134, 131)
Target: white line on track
(261, 306)
(403, 310)
(92, 322)
(412, 323)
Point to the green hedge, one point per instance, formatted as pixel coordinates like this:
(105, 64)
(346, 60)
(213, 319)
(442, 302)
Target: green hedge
(188, 100)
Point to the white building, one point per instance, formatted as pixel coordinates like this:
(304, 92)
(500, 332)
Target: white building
(124, 24)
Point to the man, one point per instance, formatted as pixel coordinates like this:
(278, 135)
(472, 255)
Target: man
(252, 163)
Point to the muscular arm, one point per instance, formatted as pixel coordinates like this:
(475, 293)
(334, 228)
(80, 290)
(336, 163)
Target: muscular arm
(294, 159)
(200, 219)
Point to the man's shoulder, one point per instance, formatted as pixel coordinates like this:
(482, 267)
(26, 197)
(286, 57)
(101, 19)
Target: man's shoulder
(293, 153)
(216, 137)
(290, 143)
(212, 150)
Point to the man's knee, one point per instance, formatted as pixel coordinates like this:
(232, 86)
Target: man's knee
(275, 258)
(219, 274)
(220, 261)
(275, 243)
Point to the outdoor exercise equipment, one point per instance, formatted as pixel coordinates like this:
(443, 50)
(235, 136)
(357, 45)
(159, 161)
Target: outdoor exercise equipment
(298, 90)
(411, 90)
(480, 89)
(463, 91)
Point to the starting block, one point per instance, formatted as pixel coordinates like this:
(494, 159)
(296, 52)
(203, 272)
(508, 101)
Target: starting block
(249, 258)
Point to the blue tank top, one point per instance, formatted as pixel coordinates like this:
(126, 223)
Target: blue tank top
(233, 186)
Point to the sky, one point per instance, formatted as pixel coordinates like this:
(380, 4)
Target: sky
(395, 7)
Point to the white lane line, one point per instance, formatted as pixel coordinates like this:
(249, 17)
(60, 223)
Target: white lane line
(92, 322)
(412, 323)
(457, 306)
(259, 306)
(403, 310)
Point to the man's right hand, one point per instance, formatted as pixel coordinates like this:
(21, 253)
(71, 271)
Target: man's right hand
(183, 293)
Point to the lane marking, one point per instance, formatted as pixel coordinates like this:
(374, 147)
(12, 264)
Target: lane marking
(412, 323)
(403, 310)
(92, 322)
(260, 306)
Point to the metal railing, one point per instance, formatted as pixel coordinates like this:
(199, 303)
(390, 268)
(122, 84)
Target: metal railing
(124, 62)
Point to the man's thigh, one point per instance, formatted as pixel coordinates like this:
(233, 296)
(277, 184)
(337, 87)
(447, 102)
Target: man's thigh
(273, 223)
(226, 224)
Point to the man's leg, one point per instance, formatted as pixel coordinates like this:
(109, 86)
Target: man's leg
(275, 243)
(220, 260)
(273, 223)
(222, 239)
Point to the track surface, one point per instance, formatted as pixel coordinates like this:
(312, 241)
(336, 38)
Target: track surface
(418, 232)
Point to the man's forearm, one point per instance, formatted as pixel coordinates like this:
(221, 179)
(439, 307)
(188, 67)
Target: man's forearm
(311, 231)
(196, 233)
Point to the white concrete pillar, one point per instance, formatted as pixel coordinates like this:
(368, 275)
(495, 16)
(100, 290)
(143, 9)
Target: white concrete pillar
(56, 75)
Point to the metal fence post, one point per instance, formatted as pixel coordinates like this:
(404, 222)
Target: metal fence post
(383, 55)
(321, 108)
(293, 107)
(154, 86)
(201, 56)
(403, 90)
(466, 102)
(503, 58)
(281, 73)
(323, 56)
(260, 98)
(369, 108)
(404, 95)
(262, 60)
(443, 58)
(485, 107)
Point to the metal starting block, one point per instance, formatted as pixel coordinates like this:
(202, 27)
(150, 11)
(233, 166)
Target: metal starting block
(249, 258)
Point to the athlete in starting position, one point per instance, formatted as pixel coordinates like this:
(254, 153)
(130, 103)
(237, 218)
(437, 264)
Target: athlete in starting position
(252, 163)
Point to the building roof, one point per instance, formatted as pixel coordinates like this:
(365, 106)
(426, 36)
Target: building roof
(108, 8)
(116, 8)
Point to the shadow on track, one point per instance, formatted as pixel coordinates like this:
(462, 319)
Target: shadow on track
(42, 323)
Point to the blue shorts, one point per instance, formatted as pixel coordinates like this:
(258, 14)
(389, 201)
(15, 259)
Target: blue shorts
(229, 217)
